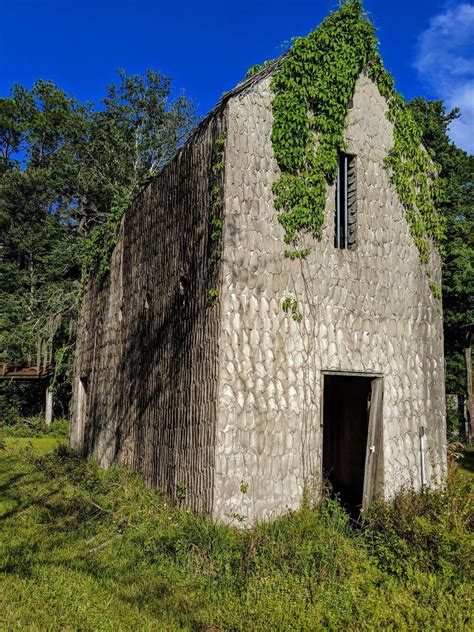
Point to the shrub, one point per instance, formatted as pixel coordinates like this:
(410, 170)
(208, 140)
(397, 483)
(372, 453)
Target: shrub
(428, 531)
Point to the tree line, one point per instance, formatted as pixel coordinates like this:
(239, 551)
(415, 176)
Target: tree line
(68, 171)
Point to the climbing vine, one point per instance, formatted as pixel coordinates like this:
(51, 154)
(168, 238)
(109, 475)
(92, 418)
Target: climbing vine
(412, 170)
(102, 240)
(257, 67)
(313, 87)
(215, 222)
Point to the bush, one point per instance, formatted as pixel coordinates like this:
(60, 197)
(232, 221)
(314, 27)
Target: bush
(428, 531)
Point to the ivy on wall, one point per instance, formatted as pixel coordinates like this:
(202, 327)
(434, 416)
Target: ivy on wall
(313, 87)
(216, 223)
(102, 241)
(257, 67)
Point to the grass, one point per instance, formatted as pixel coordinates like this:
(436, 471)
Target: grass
(35, 427)
(84, 549)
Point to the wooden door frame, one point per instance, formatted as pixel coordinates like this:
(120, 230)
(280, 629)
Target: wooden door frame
(373, 469)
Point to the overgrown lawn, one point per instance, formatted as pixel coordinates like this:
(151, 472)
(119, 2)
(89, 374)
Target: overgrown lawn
(84, 549)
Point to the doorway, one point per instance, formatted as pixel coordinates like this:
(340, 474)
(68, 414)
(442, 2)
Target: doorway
(352, 442)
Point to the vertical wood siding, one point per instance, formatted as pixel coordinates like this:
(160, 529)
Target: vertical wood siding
(148, 336)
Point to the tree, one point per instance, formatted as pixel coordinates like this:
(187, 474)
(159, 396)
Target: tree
(457, 173)
(68, 171)
(129, 141)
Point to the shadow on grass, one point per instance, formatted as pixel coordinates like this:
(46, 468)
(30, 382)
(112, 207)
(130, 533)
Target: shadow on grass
(12, 480)
(22, 508)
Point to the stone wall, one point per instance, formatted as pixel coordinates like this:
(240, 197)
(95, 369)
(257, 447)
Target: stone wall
(147, 341)
(366, 310)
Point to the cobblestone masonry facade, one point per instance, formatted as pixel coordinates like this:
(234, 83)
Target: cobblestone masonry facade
(366, 310)
(226, 396)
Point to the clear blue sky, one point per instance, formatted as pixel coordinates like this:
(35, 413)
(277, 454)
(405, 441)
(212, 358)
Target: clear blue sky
(206, 46)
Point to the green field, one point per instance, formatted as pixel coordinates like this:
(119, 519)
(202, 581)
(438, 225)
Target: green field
(88, 550)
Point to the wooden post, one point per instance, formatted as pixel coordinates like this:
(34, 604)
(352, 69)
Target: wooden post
(470, 409)
(49, 406)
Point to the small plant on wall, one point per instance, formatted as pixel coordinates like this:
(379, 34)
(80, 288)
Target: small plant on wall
(290, 306)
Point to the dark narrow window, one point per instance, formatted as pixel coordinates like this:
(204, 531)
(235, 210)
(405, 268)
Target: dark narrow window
(346, 201)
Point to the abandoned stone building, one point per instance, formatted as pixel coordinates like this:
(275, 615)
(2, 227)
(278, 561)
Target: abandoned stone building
(189, 370)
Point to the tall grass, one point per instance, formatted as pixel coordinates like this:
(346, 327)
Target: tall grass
(87, 549)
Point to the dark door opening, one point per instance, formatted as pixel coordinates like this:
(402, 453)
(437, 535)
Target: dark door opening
(345, 434)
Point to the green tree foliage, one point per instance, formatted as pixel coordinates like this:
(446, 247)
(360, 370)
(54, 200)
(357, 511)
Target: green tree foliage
(40, 263)
(457, 173)
(67, 173)
(130, 140)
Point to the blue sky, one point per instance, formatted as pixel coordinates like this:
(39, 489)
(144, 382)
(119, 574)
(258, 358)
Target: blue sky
(207, 46)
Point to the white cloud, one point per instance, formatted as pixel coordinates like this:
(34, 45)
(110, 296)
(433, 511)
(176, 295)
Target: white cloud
(445, 61)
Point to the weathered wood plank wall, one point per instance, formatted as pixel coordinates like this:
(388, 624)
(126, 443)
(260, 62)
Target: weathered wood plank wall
(147, 343)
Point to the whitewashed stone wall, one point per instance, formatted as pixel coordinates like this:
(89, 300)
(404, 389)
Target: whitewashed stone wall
(368, 310)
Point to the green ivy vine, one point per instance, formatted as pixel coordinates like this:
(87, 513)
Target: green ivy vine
(257, 67)
(216, 223)
(313, 87)
(102, 240)
(290, 306)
